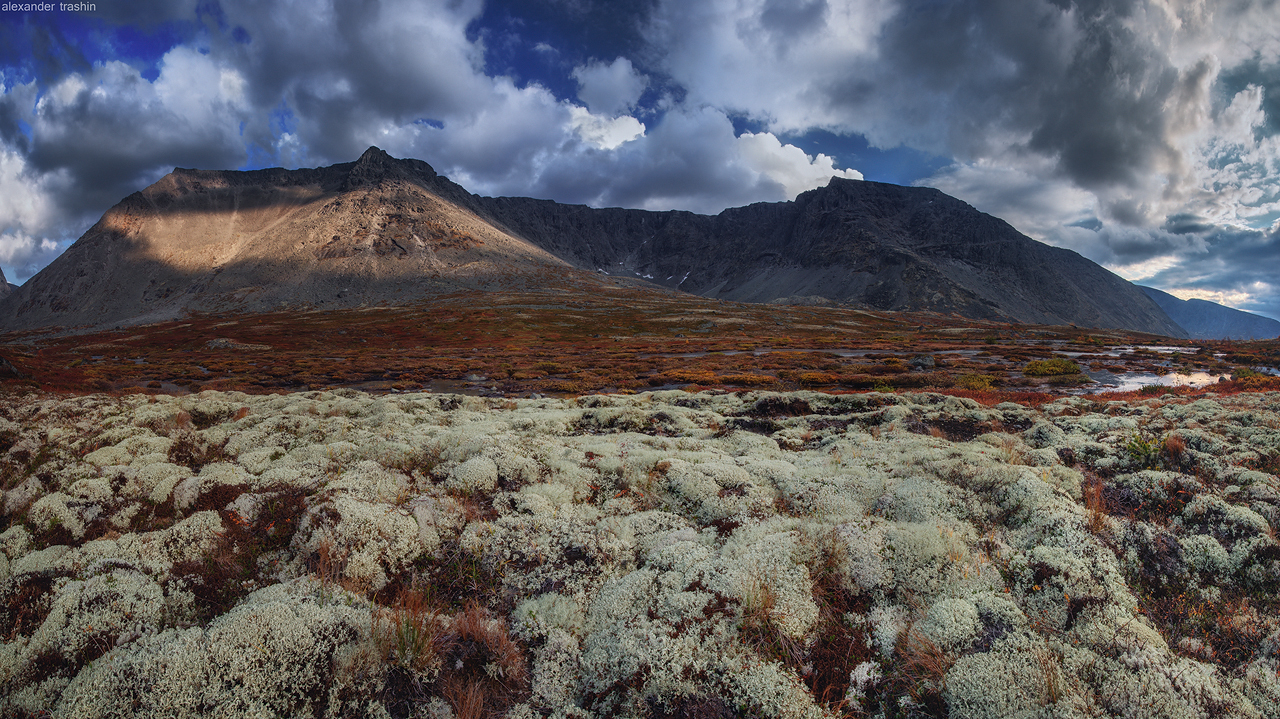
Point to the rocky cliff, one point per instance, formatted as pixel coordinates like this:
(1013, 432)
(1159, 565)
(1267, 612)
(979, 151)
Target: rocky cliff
(382, 230)
(1211, 321)
(5, 287)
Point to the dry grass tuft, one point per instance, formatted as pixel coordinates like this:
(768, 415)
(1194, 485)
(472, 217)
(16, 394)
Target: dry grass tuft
(506, 663)
(1095, 501)
(922, 671)
(1048, 664)
(760, 630)
(468, 698)
(1175, 447)
(412, 635)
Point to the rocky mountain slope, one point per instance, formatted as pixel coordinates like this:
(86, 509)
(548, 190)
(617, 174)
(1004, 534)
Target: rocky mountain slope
(1211, 321)
(866, 243)
(5, 288)
(387, 230)
(210, 241)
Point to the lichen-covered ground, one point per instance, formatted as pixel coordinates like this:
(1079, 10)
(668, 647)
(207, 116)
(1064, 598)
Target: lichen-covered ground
(663, 554)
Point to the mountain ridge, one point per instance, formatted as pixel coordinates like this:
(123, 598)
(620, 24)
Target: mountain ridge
(1207, 320)
(385, 230)
(793, 244)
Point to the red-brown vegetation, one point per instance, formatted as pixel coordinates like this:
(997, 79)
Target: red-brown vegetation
(572, 343)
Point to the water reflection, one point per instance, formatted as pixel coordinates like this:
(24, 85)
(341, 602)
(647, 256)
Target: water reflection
(1105, 381)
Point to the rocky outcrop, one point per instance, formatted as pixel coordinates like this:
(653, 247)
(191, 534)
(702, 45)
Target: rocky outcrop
(8, 371)
(382, 230)
(1205, 320)
(5, 288)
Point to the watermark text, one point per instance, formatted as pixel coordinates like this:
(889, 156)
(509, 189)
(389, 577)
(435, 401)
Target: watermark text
(48, 7)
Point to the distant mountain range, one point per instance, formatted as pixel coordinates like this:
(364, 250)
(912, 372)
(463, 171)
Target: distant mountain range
(1211, 321)
(382, 230)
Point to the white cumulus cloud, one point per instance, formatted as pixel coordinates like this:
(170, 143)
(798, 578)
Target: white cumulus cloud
(604, 132)
(788, 165)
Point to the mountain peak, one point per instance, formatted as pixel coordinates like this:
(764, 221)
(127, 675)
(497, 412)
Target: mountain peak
(374, 156)
(375, 165)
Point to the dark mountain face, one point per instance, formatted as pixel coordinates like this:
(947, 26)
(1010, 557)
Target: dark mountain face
(5, 287)
(1205, 320)
(866, 243)
(388, 230)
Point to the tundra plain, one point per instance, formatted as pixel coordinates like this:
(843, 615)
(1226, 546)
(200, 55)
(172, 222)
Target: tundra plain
(620, 339)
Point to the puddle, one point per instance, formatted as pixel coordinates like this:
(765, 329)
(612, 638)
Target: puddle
(762, 351)
(1131, 381)
(144, 385)
(1120, 350)
(453, 386)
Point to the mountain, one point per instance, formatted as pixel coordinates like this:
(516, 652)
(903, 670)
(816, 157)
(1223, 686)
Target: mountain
(1205, 320)
(5, 288)
(866, 243)
(361, 232)
(382, 230)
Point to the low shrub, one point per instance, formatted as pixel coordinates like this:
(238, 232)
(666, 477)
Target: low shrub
(1143, 449)
(1050, 367)
(978, 382)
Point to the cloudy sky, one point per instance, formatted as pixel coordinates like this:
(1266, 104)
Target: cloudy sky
(1144, 134)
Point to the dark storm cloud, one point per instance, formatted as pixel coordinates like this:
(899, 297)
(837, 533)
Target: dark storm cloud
(46, 52)
(688, 161)
(109, 131)
(1239, 269)
(149, 13)
(347, 67)
(13, 109)
(787, 19)
(1073, 82)
(1103, 117)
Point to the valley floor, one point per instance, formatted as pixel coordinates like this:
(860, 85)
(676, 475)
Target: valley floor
(671, 553)
(566, 343)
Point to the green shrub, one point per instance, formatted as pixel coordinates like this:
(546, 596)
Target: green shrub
(1050, 367)
(1143, 449)
(975, 381)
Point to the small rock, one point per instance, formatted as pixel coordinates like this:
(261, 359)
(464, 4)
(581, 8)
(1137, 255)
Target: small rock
(923, 362)
(8, 371)
(223, 343)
